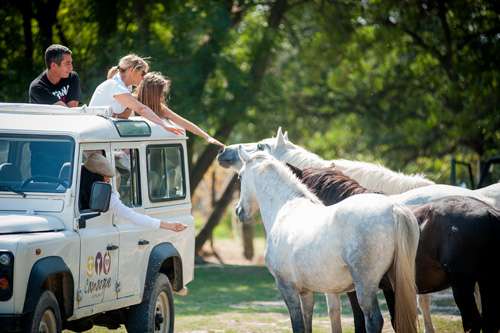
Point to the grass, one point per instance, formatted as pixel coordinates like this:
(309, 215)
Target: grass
(245, 299)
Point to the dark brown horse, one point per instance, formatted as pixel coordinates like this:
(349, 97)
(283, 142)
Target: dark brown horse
(459, 246)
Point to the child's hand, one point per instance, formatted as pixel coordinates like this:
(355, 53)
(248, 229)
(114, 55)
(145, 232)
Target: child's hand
(174, 226)
(215, 142)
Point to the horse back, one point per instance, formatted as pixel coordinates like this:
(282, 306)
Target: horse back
(462, 234)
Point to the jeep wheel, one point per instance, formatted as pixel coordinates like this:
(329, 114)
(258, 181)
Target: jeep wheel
(46, 318)
(156, 312)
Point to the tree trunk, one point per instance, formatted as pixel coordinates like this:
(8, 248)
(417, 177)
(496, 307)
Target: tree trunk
(220, 208)
(46, 15)
(247, 235)
(262, 56)
(143, 22)
(27, 11)
(106, 13)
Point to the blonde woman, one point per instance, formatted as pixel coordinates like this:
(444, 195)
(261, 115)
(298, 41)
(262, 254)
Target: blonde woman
(152, 91)
(116, 91)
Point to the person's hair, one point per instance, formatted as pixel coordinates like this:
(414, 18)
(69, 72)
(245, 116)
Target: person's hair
(129, 61)
(152, 91)
(54, 54)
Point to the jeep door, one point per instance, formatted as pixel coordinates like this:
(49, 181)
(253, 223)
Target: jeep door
(98, 243)
(134, 239)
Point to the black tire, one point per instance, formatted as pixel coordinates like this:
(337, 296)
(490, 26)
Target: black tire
(145, 318)
(47, 316)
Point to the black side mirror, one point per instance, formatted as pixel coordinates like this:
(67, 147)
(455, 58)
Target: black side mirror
(100, 196)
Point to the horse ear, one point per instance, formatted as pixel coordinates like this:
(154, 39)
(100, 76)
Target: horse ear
(285, 136)
(280, 140)
(244, 156)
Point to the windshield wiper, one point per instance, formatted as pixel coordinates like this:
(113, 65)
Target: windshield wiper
(11, 189)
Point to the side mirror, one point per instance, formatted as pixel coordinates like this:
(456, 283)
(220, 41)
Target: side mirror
(100, 196)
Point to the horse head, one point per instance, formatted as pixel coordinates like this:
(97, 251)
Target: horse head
(277, 146)
(246, 207)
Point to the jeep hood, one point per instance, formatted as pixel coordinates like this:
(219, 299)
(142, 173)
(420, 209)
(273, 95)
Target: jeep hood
(20, 223)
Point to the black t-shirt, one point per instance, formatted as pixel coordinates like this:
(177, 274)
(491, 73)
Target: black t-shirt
(42, 91)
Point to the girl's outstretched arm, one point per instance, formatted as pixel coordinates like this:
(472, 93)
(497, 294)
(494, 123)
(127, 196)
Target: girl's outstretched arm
(189, 126)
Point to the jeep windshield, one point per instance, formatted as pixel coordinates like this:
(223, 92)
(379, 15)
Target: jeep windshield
(35, 163)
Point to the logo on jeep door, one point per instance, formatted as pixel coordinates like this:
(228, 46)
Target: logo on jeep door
(98, 263)
(101, 265)
(107, 263)
(90, 266)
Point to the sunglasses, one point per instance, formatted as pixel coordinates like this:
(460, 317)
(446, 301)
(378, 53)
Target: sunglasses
(143, 72)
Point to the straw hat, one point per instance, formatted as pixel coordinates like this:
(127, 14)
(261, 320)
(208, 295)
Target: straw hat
(97, 163)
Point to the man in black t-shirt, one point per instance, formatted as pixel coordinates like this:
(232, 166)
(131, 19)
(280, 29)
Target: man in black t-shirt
(58, 84)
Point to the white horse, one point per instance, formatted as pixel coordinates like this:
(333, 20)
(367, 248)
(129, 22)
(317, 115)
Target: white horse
(314, 248)
(414, 190)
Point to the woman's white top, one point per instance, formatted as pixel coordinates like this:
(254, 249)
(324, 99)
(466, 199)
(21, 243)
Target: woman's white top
(104, 94)
(117, 207)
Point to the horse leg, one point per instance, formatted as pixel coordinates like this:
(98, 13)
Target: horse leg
(359, 317)
(477, 296)
(367, 298)
(390, 297)
(334, 310)
(490, 293)
(463, 292)
(424, 302)
(292, 301)
(307, 302)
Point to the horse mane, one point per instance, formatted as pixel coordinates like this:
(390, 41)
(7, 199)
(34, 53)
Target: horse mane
(379, 178)
(329, 184)
(297, 188)
(373, 177)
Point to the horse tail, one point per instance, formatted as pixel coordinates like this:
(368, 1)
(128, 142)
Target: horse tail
(402, 272)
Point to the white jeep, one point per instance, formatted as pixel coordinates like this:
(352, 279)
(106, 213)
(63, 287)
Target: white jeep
(65, 263)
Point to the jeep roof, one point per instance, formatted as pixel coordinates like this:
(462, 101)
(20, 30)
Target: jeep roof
(85, 124)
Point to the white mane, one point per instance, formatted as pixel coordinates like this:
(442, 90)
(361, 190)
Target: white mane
(376, 177)
(373, 177)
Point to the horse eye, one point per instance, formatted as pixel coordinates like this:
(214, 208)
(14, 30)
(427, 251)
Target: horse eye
(260, 146)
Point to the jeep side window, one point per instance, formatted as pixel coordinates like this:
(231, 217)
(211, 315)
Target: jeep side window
(127, 176)
(165, 168)
(87, 178)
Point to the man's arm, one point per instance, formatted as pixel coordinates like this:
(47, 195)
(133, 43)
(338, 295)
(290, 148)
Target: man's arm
(74, 94)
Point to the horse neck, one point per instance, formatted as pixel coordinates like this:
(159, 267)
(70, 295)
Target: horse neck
(274, 192)
(378, 178)
(301, 158)
(331, 186)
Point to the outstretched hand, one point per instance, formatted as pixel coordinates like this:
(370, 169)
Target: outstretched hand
(215, 142)
(174, 226)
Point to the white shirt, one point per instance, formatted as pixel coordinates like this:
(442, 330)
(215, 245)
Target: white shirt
(117, 207)
(104, 94)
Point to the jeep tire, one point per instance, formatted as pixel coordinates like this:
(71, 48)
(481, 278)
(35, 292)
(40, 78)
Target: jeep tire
(47, 316)
(156, 312)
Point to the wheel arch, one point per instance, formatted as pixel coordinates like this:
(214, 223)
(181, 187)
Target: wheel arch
(165, 258)
(50, 273)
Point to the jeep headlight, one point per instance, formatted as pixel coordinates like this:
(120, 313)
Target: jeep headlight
(5, 259)
(6, 275)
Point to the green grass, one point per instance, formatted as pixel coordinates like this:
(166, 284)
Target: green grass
(245, 299)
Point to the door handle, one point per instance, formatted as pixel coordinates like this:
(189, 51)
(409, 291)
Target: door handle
(143, 242)
(111, 247)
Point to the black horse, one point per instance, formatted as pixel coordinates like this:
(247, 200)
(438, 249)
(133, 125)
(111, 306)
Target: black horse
(459, 246)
